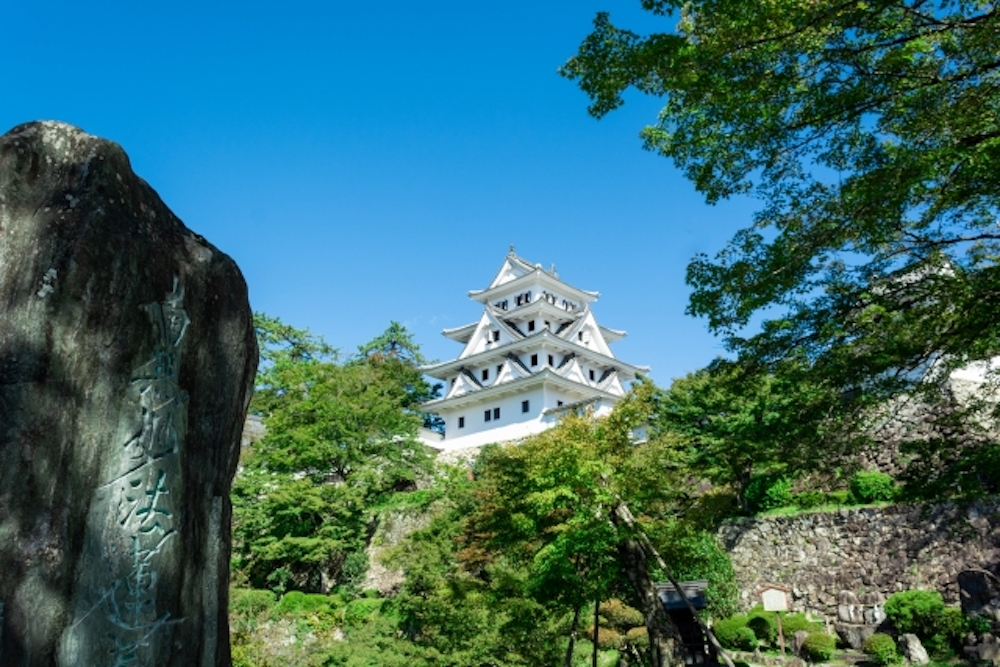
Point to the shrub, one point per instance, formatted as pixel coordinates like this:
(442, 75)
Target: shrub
(949, 629)
(818, 647)
(979, 624)
(693, 553)
(617, 614)
(298, 603)
(362, 610)
(768, 492)
(607, 638)
(733, 633)
(915, 611)
(250, 601)
(809, 499)
(881, 648)
(792, 623)
(765, 627)
(745, 639)
(923, 613)
(870, 486)
(637, 637)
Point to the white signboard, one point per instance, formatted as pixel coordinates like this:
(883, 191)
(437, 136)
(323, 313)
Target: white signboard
(775, 599)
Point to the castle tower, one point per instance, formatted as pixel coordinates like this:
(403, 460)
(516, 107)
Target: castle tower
(535, 352)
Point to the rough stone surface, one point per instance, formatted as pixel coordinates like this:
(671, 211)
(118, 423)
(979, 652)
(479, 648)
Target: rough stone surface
(126, 361)
(875, 551)
(392, 528)
(911, 649)
(798, 641)
(979, 593)
(854, 634)
(987, 650)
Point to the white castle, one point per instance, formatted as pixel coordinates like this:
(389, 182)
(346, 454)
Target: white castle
(535, 352)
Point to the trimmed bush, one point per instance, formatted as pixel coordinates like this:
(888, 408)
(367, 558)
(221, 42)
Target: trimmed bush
(768, 492)
(871, 486)
(765, 627)
(745, 639)
(881, 648)
(818, 647)
(607, 638)
(950, 628)
(914, 611)
(637, 637)
(733, 633)
(617, 614)
(792, 623)
(923, 613)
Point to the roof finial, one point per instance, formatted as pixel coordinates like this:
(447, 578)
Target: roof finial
(511, 250)
(552, 270)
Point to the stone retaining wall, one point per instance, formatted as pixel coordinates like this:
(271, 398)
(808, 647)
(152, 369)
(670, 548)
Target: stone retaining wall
(883, 550)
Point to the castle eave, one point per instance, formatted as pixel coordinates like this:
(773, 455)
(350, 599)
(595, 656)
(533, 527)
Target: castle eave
(518, 386)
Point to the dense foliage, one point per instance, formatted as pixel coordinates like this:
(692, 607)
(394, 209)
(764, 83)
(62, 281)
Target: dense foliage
(520, 553)
(868, 132)
(754, 432)
(870, 486)
(924, 614)
(881, 649)
(819, 647)
(735, 633)
(340, 440)
(914, 611)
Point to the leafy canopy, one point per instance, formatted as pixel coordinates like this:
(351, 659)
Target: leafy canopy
(341, 438)
(870, 132)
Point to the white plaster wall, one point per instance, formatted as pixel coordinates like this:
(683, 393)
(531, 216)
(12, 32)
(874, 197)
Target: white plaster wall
(510, 413)
(507, 433)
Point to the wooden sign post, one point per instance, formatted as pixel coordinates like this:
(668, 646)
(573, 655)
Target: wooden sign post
(775, 598)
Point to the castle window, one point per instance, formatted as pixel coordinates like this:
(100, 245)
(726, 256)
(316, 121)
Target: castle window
(551, 361)
(486, 374)
(579, 335)
(499, 368)
(496, 336)
(591, 374)
(558, 404)
(496, 413)
(487, 415)
(531, 325)
(525, 406)
(534, 360)
(461, 422)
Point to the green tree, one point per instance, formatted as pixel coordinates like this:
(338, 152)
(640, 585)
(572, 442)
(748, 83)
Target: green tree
(870, 133)
(395, 351)
(468, 617)
(554, 507)
(737, 424)
(340, 438)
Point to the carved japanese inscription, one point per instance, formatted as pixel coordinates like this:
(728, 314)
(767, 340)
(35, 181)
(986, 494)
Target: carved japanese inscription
(132, 523)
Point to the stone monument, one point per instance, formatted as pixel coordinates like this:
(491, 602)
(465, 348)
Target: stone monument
(127, 357)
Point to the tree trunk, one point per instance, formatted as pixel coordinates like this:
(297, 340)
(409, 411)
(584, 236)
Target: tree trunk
(664, 639)
(597, 627)
(623, 514)
(568, 660)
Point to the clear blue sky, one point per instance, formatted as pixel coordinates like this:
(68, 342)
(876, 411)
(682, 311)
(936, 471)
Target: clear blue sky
(369, 162)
